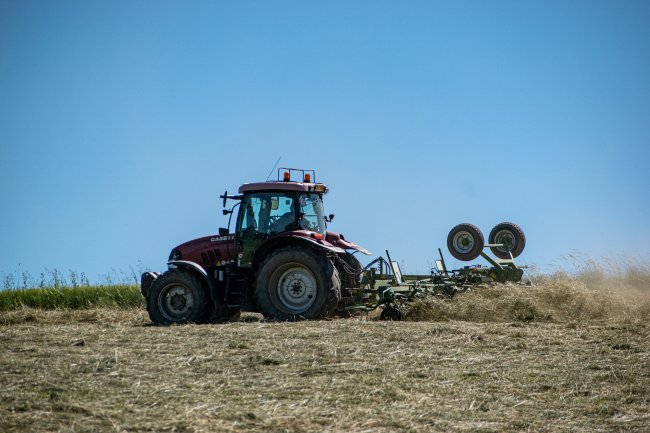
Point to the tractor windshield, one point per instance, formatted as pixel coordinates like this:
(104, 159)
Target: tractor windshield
(277, 212)
(313, 215)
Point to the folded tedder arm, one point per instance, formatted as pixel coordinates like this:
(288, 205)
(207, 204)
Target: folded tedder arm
(383, 285)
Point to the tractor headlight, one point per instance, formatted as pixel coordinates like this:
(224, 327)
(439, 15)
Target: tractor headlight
(175, 255)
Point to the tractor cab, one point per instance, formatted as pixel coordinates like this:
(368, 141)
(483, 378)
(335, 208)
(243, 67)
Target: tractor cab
(279, 209)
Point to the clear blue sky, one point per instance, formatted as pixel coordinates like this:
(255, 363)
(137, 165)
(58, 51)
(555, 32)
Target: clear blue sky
(122, 121)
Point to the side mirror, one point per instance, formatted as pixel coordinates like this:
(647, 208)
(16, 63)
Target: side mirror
(329, 218)
(225, 197)
(223, 231)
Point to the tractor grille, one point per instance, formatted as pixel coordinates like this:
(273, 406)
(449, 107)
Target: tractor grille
(211, 257)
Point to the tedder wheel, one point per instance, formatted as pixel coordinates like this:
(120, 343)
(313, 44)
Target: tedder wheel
(465, 242)
(391, 313)
(511, 236)
(297, 284)
(177, 296)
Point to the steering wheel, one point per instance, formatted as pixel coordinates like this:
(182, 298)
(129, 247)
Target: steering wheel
(308, 225)
(280, 222)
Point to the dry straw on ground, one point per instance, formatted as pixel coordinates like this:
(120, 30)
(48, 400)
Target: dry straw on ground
(561, 355)
(595, 293)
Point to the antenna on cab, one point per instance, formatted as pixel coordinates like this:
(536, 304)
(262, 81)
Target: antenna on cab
(271, 172)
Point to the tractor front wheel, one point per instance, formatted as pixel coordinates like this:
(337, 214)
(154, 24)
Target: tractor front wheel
(177, 296)
(297, 284)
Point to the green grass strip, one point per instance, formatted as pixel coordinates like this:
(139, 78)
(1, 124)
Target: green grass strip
(120, 296)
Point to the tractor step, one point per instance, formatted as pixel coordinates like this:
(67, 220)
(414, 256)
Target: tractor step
(234, 294)
(234, 299)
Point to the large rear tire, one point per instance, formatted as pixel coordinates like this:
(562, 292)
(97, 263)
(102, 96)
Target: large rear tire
(297, 284)
(511, 236)
(465, 242)
(350, 271)
(177, 296)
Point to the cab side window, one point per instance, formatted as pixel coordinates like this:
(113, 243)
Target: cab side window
(252, 208)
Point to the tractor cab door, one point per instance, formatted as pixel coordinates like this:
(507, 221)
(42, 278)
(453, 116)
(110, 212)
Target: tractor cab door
(262, 215)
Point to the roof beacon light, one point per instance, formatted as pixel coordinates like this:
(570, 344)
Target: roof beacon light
(307, 178)
(286, 176)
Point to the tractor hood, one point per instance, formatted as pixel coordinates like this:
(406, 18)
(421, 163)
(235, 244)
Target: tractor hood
(208, 251)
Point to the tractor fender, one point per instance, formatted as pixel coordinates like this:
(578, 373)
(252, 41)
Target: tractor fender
(276, 242)
(362, 250)
(146, 280)
(337, 240)
(322, 245)
(195, 268)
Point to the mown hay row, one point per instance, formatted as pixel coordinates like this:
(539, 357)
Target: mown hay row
(558, 298)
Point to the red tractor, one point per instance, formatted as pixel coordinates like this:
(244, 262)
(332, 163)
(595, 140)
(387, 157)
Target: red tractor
(281, 261)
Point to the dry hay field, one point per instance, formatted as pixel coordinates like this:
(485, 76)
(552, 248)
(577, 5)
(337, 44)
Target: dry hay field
(566, 354)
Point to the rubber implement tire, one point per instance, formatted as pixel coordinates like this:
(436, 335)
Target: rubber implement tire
(297, 284)
(509, 234)
(465, 242)
(391, 313)
(177, 296)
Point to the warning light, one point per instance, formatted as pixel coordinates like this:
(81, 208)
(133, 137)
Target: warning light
(287, 176)
(307, 178)
(317, 236)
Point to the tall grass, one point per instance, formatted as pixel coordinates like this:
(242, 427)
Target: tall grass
(23, 279)
(53, 289)
(50, 298)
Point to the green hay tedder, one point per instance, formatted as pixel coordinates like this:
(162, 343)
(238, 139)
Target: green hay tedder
(384, 286)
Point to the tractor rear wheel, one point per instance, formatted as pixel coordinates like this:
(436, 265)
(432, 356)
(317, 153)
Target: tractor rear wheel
(177, 296)
(465, 242)
(297, 284)
(511, 236)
